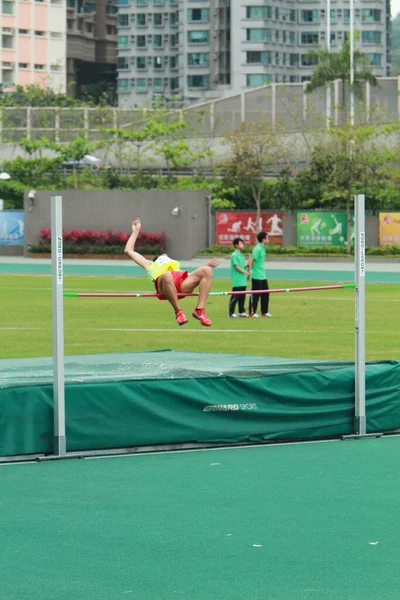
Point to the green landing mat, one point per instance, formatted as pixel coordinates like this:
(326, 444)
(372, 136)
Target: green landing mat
(167, 397)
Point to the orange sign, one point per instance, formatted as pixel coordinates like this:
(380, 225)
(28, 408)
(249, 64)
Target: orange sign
(389, 228)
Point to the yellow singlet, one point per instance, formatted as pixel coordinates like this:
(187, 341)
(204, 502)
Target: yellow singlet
(162, 264)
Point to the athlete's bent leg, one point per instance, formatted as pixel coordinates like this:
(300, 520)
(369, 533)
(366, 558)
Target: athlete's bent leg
(167, 288)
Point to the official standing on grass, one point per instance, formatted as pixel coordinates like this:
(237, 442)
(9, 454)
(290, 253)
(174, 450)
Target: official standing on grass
(258, 279)
(239, 275)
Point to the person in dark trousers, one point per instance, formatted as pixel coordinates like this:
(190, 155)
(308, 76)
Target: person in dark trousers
(258, 279)
(239, 275)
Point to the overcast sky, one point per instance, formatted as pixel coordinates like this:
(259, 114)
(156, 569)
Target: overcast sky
(395, 7)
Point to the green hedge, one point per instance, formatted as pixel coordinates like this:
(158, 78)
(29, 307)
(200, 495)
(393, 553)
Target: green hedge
(391, 250)
(88, 250)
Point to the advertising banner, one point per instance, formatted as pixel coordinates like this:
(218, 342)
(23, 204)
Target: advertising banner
(389, 228)
(323, 229)
(12, 228)
(230, 225)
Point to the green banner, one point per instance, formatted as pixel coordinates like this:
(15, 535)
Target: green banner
(322, 229)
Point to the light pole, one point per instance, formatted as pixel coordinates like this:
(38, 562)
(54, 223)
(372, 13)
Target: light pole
(351, 62)
(328, 47)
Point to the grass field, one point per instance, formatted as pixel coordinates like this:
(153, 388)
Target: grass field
(304, 325)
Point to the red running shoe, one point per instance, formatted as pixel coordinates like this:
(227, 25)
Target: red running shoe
(199, 313)
(181, 317)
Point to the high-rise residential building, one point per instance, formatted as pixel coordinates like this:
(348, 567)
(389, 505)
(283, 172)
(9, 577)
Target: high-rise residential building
(195, 50)
(91, 45)
(33, 43)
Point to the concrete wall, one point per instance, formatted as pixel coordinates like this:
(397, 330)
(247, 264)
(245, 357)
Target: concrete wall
(102, 210)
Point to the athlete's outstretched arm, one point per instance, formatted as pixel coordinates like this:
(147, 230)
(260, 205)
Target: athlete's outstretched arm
(130, 246)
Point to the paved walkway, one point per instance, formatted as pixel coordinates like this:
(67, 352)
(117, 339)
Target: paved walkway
(378, 270)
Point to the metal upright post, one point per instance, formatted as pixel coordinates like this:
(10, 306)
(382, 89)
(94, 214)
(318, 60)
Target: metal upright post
(359, 252)
(58, 325)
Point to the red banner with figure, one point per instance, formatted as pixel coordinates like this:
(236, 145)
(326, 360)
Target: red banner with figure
(243, 224)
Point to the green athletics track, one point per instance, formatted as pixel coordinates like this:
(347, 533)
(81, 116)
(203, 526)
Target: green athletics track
(280, 522)
(327, 271)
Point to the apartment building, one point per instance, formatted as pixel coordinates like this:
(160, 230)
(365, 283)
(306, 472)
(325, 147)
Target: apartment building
(91, 45)
(195, 50)
(33, 43)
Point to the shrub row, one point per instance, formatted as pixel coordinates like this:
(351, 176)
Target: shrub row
(85, 249)
(89, 237)
(390, 250)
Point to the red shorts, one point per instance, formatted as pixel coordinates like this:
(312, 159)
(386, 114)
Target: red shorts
(177, 277)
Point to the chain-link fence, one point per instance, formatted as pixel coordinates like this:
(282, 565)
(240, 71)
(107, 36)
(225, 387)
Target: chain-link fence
(286, 104)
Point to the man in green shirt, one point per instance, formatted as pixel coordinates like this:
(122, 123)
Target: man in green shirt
(258, 279)
(239, 273)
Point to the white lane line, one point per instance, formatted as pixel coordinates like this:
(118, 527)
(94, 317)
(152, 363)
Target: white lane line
(204, 331)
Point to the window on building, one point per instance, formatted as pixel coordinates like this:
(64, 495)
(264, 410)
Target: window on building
(40, 33)
(258, 35)
(284, 37)
(56, 35)
(141, 2)
(346, 15)
(7, 41)
(333, 37)
(277, 58)
(173, 18)
(158, 20)
(375, 59)
(158, 84)
(141, 85)
(277, 14)
(122, 62)
(158, 62)
(158, 2)
(198, 81)
(333, 15)
(198, 59)
(173, 62)
(141, 19)
(293, 78)
(140, 62)
(258, 12)
(122, 2)
(293, 15)
(277, 36)
(123, 20)
(39, 67)
(23, 65)
(371, 15)
(157, 41)
(292, 37)
(140, 41)
(122, 41)
(284, 58)
(172, 40)
(123, 85)
(309, 38)
(198, 14)
(258, 79)
(308, 16)
(173, 1)
(198, 37)
(174, 83)
(23, 31)
(371, 37)
(293, 60)
(285, 14)
(308, 60)
(7, 7)
(254, 57)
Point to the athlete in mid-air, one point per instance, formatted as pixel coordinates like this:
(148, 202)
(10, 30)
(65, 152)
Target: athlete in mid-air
(170, 281)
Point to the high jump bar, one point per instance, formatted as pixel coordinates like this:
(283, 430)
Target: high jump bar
(247, 292)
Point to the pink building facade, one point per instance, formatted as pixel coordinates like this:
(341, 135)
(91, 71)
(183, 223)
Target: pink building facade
(33, 44)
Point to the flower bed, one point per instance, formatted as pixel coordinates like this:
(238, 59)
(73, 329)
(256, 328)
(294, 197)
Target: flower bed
(101, 243)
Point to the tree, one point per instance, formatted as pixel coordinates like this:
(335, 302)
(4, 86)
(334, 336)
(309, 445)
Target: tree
(256, 147)
(336, 65)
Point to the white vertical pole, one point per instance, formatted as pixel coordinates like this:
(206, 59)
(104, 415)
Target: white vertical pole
(58, 325)
(328, 47)
(359, 253)
(351, 62)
